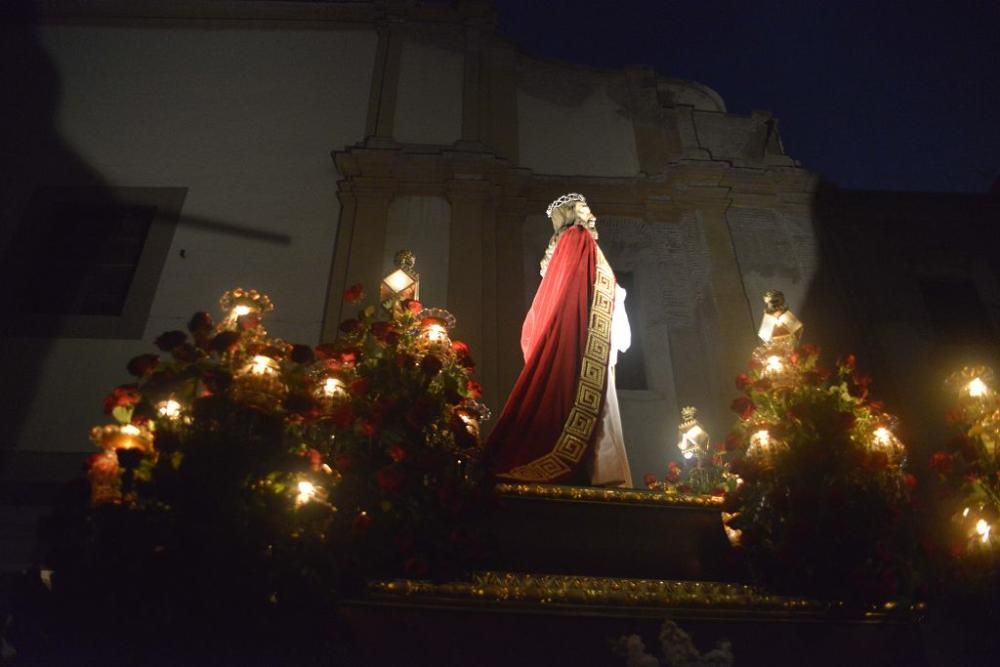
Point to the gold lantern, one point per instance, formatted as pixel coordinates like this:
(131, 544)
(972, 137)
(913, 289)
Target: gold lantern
(238, 302)
(763, 448)
(122, 437)
(401, 284)
(694, 439)
(884, 440)
(435, 323)
(329, 388)
(779, 328)
(259, 383)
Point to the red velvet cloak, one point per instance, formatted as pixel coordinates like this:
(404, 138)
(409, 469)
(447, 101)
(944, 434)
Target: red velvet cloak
(547, 429)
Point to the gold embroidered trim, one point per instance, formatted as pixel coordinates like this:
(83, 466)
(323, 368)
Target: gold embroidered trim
(563, 589)
(586, 411)
(601, 494)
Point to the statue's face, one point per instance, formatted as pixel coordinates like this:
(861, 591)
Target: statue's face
(584, 214)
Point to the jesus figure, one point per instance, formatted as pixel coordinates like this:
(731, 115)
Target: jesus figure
(561, 424)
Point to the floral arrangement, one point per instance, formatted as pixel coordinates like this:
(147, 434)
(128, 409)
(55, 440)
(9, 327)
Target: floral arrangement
(823, 505)
(243, 474)
(706, 475)
(969, 470)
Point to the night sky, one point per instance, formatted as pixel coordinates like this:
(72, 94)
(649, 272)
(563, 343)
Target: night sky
(876, 95)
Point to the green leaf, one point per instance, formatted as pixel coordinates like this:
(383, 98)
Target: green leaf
(123, 413)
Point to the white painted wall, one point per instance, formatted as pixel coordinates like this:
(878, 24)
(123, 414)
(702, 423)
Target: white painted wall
(595, 138)
(245, 120)
(429, 95)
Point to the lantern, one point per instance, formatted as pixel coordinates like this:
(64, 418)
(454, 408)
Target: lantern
(779, 327)
(259, 383)
(884, 440)
(433, 337)
(763, 447)
(122, 437)
(401, 284)
(239, 302)
(330, 390)
(694, 440)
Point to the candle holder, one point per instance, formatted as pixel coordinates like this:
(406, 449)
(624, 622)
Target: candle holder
(779, 328)
(694, 440)
(258, 383)
(329, 388)
(764, 448)
(435, 323)
(238, 302)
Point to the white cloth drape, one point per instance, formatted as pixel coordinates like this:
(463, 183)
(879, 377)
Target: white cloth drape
(610, 465)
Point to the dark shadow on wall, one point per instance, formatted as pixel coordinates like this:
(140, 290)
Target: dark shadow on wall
(909, 283)
(34, 156)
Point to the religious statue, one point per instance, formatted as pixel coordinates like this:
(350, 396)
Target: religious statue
(561, 423)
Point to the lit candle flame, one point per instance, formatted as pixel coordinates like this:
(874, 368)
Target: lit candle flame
(241, 310)
(774, 364)
(977, 388)
(130, 429)
(307, 491)
(965, 512)
(883, 436)
(333, 387)
(436, 333)
(261, 365)
(170, 409)
(761, 438)
(983, 530)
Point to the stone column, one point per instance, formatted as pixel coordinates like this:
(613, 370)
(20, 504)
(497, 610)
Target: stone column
(509, 295)
(360, 246)
(472, 274)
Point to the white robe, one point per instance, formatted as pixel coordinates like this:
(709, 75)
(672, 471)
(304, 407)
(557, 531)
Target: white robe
(610, 463)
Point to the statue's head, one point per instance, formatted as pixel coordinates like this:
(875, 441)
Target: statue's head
(570, 209)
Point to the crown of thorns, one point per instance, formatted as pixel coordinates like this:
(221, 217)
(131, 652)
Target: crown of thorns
(562, 201)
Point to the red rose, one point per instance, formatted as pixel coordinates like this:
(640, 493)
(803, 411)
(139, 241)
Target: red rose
(315, 459)
(650, 480)
(169, 340)
(473, 388)
(185, 352)
(381, 330)
(397, 454)
(431, 365)
(349, 357)
(325, 351)
(352, 327)
(125, 395)
(673, 471)
(910, 480)
(795, 358)
(847, 362)
(742, 381)
(389, 479)
(200, 323)
(366, 428)
(734, 442)
(302, 354)
(354, 293)
(225, 341)
(941, 462)
(413, 306)
(143, 365)
(743, 406)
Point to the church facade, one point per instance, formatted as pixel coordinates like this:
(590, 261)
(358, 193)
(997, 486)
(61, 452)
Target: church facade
(295, 147)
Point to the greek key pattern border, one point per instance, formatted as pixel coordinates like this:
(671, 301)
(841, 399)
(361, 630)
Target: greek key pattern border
(583, 417)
